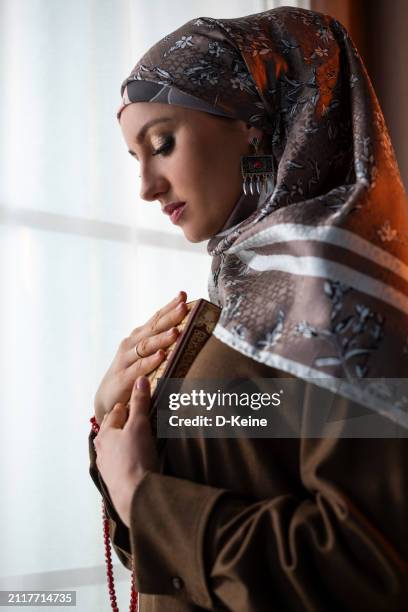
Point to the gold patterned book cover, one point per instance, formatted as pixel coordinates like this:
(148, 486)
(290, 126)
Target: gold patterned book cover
(196, 327)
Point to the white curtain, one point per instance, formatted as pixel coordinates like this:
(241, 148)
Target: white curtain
(83, 262)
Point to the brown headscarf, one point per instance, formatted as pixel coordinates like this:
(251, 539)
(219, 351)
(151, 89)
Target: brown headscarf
(315, 281)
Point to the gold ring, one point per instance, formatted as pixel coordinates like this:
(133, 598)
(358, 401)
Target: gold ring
(137, 352)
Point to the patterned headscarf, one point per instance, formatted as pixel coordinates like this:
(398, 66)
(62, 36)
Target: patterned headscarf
(313, 282)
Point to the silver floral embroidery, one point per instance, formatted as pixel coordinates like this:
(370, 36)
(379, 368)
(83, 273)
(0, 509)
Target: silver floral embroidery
(144, 71)
(325, 34)
(239, 330)
(306, 330)
(352, 337)
(183, 43)
(273, 336)
(214, 48)
(203, 72)
(387, 233)
(320, 52)
(231, 308)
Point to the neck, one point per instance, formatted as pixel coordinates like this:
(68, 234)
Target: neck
(244, 207)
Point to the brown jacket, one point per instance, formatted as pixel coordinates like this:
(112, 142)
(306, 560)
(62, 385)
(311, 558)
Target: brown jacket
(254, 525)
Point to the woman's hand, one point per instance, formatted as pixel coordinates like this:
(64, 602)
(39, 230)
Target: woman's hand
(150, 340)
(125, 448)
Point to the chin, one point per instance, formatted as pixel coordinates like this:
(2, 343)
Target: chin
(196, 235)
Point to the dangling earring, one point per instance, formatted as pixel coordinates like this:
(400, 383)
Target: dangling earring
(257, 170)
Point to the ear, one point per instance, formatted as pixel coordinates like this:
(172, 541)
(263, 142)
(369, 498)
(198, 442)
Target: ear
(254, 132)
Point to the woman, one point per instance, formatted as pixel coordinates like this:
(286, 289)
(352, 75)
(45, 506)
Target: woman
(309, 266)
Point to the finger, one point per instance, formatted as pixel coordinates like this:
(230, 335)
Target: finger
(171, 319)
(151, 344)
(142, 367)
(180, 297)
(139, 403)
(116, 418)
(159, 323)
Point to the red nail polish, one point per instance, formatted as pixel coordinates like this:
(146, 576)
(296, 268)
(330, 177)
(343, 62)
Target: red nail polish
(143, 384)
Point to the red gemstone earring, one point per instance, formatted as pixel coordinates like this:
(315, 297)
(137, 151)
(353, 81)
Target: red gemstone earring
(257, 170)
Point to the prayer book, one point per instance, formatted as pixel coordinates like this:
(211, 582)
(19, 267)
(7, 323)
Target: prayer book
(196, 328)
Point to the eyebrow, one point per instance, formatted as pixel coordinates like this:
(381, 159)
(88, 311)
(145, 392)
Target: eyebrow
(142, 133)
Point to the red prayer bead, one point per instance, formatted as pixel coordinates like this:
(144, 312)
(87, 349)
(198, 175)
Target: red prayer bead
(109, 567)
(108, 556)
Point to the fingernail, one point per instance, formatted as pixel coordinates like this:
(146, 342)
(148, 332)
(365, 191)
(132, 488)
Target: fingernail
(172, 331)
(180, 306)
(142, 383)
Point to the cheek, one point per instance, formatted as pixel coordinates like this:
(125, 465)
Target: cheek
(194, 174)
(217, 170)
(208, 175)
(227, 178)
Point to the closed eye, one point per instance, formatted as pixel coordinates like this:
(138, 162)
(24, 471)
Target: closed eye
(166, 147)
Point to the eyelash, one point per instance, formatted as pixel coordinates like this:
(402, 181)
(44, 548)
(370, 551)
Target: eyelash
(166, 147)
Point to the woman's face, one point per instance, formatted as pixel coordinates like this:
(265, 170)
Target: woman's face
(188, 157)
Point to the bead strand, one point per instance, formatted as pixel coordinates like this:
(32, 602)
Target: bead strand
(108, 556)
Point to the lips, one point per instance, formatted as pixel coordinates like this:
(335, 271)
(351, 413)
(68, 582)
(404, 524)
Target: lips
(170, 208)
(174, 210)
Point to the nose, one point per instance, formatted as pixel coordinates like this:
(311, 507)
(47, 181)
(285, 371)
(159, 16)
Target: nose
(153, 184)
